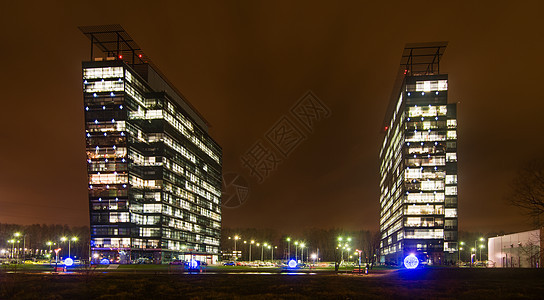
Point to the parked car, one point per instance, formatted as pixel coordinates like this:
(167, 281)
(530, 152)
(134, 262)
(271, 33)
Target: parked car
(229, 263)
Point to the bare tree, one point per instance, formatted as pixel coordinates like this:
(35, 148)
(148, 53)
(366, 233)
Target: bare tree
(371, 246)
(528, 190)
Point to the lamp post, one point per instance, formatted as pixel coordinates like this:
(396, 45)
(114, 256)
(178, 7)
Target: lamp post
(459, 253)
(12, 242)
(64, 239)
(235, 253)
(288, 248)
(481, 247)
(252, 242)
(296, 251)
(262, 250)
(302, 245)
(18, 234)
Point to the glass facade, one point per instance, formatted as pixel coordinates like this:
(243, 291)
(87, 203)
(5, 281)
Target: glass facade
(418, 171)
(154, 172)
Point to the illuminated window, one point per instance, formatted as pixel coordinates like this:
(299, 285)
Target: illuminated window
(451, 157)
(431, 85)
(109, 72)
(452, 135)
(450, 213)
(451, 179)
(451, 190)
(452, 123)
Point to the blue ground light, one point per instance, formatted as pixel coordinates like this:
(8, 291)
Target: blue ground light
(411, 261)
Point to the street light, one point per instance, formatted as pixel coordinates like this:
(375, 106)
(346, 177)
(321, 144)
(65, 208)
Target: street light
(262, 251)
(296, 251)
(302, 250)
(235, 253)
(481, 247)
(18, 234)
(459, 253)
(288, 248)
(12, 242)
(64, 239)
(252, 242)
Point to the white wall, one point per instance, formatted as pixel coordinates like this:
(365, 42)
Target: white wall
(517, 250)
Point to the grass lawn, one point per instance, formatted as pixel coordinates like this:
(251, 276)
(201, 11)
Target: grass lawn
(427, 283)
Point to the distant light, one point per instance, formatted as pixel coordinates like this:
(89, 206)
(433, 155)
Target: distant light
(408, 94)
(96, 121)
(120, 80)
(436, 93)
(292, 264)
(120, 56)
(114, 147)
(85, 81)
(386, 127)
(408, 119)
(95, 95)
(68, 262)
(105, 261)
(122, 133)
(103, 107)
(422, 93)
(88, 135)
(113, 120)
(95, 255)
(436, 118)
(86, 108)
(112, 94)
(123, 160)
(106, 160)
(408, 143)
(411, 261)
(120, 106)
(139, 55)
(124, 185)
(105, 134)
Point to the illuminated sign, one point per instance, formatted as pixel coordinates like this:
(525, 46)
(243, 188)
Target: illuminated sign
(411, 261)
(105, 261)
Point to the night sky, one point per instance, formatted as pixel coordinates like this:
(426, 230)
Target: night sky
(243, 65)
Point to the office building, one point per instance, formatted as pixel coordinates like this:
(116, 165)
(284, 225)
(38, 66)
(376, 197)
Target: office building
(418, 163)
(154, 172)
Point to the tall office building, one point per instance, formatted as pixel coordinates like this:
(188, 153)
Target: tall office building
(418, 163)
(154, 172)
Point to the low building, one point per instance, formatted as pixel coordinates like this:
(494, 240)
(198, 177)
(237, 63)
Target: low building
(517, 250)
